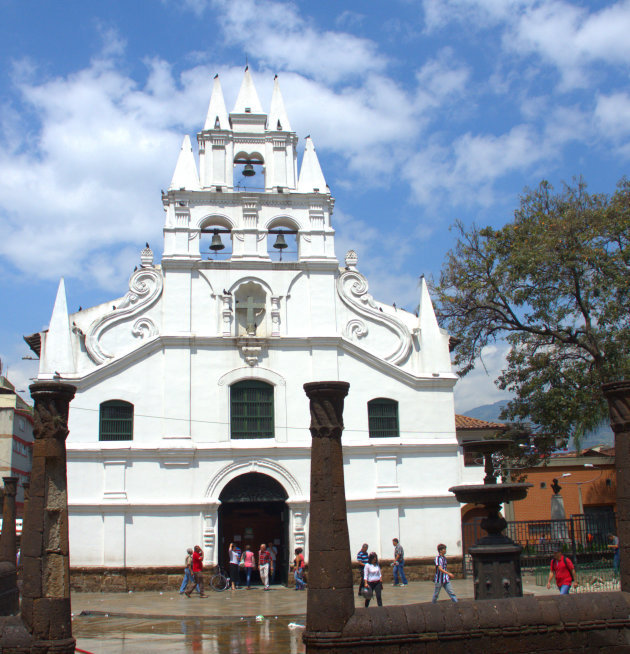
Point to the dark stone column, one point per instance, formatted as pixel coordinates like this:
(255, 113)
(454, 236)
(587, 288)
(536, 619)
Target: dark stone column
(9, 594)
(8, 548)
(618, 396)
(330, 600)
(45, 556)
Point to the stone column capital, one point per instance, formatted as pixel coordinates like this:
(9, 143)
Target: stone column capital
(326, 403)
(618, 396)
(52, 401)
(10, 485)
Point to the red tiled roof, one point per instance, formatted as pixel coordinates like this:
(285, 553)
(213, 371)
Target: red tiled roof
(466, 422)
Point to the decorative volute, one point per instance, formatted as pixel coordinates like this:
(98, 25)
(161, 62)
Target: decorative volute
(278, 119)
(311, 178)
(217, 117)
(57, 356)
(185, 176)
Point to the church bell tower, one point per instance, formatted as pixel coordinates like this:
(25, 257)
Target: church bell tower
(247, 188)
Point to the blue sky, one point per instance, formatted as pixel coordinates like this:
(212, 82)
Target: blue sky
(422, 112)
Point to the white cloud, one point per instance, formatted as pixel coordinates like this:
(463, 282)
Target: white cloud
(284, 41)
(477, 387)
(612, 115)
(467, 168)
(479, 13)
(567, 35)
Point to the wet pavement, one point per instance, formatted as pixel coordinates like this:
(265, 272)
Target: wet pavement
(221, 623)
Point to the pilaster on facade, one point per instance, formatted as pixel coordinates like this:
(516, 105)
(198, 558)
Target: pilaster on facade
(275, 316)
(227, 314)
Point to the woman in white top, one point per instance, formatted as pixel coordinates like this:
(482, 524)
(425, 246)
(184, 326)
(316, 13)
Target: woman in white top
(372, 577)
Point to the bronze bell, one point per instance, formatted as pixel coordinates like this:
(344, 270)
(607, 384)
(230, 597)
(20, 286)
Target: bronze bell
(248, 171)
(216, 244)
(280, 243)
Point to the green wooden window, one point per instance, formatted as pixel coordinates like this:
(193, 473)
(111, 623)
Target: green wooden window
(116, 421)
(383, 418)
(251, 405)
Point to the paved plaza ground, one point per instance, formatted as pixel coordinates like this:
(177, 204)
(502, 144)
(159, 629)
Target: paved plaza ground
(122, 623)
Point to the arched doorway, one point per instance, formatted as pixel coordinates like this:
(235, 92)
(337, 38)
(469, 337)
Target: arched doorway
(253, 510)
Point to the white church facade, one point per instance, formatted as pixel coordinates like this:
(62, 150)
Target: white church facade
(190, 423)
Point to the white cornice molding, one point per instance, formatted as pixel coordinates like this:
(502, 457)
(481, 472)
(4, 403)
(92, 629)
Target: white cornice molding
(181, 505)
(441, 381)
(221, 450)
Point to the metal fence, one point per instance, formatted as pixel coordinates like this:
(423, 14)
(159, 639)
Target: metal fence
(583, 538)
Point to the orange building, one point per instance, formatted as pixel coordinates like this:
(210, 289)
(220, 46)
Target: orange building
(587, 480)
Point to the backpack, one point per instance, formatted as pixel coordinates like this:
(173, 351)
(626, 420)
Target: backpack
(571, 570)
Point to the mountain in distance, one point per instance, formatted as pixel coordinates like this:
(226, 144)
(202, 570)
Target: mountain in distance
(603, 435)
(488, 412)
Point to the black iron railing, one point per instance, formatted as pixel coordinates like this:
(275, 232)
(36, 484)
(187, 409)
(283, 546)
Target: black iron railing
(583, 538)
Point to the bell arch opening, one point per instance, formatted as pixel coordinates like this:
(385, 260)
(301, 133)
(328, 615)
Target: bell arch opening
(215, 239)
(253, 511)
(249, 171)
(282, 240)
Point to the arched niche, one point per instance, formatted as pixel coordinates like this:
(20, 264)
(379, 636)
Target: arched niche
(250, 307)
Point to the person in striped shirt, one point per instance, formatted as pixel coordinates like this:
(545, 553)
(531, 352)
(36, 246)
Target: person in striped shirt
(442, 577)
(362, 558)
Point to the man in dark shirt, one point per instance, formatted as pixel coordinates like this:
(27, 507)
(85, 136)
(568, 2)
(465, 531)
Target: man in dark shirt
(399, 563)
(362, 558)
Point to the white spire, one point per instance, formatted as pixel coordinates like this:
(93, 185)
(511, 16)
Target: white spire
(278, 119)
(247, 101)
(433, 342)
(311, 176)
(217, 117)
(57, 352)
(185, 175)
(426, 315)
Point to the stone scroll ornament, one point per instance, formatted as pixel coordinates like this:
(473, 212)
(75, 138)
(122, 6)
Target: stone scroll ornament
(145, 287)
(352, 288)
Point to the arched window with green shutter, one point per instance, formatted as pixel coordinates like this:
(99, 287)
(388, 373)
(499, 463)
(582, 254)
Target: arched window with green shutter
(251, 409)
(383, 418)
(116, 421)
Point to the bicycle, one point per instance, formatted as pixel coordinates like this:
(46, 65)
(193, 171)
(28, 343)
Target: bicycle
(220, 581)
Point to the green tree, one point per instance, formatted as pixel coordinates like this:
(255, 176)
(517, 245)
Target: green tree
(555, 284)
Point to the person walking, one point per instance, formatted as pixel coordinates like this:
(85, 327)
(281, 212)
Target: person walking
(399, 563)
(442, 578)
(373, 578)
(197, 570)
(298, 569)
(234, 553)
(273, 551)
(362, 558)
(613, 544)
(248, 564)
(264, 565)
(564, 571)
(188, 574)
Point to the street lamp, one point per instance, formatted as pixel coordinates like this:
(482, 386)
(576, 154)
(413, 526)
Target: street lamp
(580, 483)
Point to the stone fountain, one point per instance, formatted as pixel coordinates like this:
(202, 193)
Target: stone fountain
(496, 558)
